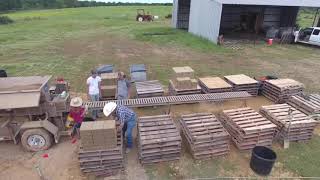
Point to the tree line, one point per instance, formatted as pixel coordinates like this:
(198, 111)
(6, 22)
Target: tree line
(7, 5)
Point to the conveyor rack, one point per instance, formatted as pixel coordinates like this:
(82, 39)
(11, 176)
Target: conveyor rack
(172, 100)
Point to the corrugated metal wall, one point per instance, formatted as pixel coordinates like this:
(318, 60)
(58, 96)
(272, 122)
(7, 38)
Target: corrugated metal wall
(175, 13)
(205, 16)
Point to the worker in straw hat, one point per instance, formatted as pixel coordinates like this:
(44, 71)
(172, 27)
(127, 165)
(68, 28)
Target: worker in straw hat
(77, 113)
(127, 118)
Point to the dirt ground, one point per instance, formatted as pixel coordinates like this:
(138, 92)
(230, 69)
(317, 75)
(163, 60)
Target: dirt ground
(62, 162)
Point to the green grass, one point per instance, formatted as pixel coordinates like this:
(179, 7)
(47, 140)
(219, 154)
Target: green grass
(303, 158)
(168, 35)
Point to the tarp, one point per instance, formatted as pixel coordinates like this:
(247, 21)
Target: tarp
(137, 68)
(105, 69)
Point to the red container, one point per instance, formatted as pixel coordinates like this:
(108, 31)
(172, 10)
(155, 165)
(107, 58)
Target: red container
(270, 42)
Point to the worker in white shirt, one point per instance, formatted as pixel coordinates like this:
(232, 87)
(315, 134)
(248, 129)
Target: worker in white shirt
(94, 90)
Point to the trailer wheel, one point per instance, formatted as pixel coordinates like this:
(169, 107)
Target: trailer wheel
(36, 140)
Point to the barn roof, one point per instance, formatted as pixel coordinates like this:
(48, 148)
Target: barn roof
(305, 3)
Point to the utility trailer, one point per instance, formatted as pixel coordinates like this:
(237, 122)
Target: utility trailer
(31, 112)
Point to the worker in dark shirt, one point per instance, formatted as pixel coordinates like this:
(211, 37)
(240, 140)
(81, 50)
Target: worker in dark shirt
(126, 117)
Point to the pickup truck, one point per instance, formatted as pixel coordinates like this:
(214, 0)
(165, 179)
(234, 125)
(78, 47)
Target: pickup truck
(309, 35)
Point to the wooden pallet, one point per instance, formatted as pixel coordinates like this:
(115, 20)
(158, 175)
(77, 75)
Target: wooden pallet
(159, 139)
(242, 82)
(280, 90)
(104, 162)
(178, 92)
(301, 126)
(149, 89)
(214, 85)
(309, 105)
(205, 135)
(248, 128)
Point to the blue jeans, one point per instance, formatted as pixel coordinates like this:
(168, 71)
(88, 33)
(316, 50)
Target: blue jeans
(127, 128)
(94, 97)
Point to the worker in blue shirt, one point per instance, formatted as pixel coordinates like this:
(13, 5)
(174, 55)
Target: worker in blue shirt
(123, 87)
(127, 118)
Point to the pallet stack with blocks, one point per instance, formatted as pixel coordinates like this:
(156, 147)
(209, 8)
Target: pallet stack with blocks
(280, 90)
(243, 82)
(109, 85)
(101, 150)
(214, 85)
(183, 82)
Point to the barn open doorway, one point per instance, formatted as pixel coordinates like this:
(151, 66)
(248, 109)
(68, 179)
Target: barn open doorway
(251, 22)
(183, 13)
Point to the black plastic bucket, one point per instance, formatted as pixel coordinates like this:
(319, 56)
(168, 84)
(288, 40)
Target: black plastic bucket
(3, 73)
(262, 160)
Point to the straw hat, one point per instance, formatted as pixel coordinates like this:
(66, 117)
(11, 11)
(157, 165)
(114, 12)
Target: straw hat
(109, 108)
(76, 102)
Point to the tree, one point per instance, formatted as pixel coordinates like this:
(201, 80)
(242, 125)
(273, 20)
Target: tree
(70, 3)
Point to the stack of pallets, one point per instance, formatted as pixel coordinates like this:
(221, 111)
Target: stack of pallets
(214, 85)
(243, 82)
(309, 105)
(280, 90)
(248, 128)
(109, 85)
(149, 89)
(294, 127)
(100, 159)
(183, 82)
(159, 139)
(205, 135)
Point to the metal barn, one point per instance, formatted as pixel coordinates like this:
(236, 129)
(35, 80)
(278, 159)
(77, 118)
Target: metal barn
(210, 18)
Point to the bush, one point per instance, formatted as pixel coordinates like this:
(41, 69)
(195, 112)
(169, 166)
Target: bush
(5, 20)
(169, 16)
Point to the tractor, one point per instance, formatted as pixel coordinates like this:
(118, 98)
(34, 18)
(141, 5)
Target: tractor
(142, 16)
(32, 112)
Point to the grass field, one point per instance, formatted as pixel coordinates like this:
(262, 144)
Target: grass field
(70, 42)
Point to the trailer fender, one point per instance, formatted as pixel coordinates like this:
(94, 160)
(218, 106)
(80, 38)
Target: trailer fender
(45, 124)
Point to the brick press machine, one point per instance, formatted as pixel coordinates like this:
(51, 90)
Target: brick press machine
(32, 112)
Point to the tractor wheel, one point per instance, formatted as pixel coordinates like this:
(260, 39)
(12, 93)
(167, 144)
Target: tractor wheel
(36, 140)
(140, 19)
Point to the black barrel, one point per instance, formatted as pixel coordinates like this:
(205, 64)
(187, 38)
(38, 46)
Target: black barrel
(262, 160)
(3, 73)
